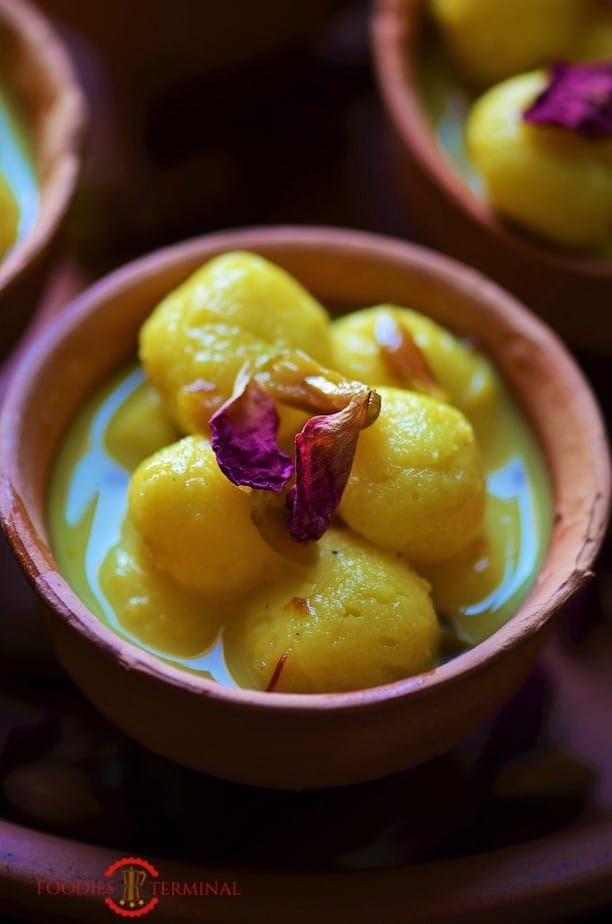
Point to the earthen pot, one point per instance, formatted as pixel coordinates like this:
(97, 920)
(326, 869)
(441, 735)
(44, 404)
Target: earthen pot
(571, 292)
(38, 77)
(290, 740)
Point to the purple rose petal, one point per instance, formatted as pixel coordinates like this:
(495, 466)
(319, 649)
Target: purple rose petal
(578, 97)
(244, 438)
(325, 448)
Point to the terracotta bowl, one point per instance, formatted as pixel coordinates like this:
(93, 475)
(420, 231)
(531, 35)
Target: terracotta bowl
(571, 292)
(37, 75)
(289, 740)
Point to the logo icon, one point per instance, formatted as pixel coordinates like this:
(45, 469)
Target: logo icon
(131, 887)
(133, 874)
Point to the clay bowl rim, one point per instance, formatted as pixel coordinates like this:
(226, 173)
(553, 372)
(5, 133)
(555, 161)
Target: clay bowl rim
(530, 617)
(395, 30)
(38, 39)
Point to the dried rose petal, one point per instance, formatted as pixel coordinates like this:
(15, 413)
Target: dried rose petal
(244, 438)
(244, 433)
(578, 97)
(293, 378)
(269, 514)
(325, 448)
(403, 358)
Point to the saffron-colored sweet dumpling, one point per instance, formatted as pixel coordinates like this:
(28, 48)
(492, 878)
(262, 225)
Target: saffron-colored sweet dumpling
(552, 181)
(195, 524)
(356, 618)
(9, 216)
(464, 588)
(495, 39)
(236, 308)
(153, 607)
(417, 484)
(140, 429)
(360, 350)
(594, 41)
(194, 368)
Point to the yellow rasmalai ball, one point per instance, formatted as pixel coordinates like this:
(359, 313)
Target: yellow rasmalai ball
(466, 376)
(139, 428)
(153, 607)
(194, 368)
(236, 308)
(495, 39)
(195, 523)
(464, 587)
(549, 180)
(417, 484)
(594, 40)
(9, 216)
(357, 618)
(247, 291)
(291, 421)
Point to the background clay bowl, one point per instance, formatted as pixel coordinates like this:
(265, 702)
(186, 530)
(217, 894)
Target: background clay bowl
(38, 76)
(284, 740)
(572, 293)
